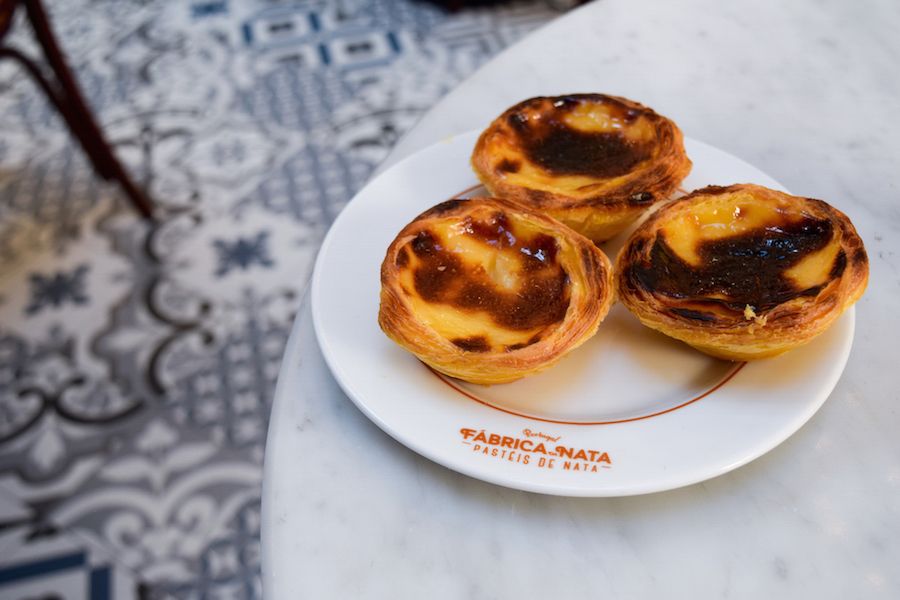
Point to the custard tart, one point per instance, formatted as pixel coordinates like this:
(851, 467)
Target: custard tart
(742, 272)
(592, 161)
(487, 291)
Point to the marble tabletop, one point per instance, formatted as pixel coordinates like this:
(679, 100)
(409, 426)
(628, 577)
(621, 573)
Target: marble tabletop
(808, 92)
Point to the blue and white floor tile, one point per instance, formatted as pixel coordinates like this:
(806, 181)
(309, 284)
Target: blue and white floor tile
(137, 361)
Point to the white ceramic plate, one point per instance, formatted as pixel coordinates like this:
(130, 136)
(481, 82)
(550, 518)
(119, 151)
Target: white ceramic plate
(629, 412)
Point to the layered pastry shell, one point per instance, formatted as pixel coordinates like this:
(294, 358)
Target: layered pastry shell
(594, 162)
(742, 272)
(487, 291)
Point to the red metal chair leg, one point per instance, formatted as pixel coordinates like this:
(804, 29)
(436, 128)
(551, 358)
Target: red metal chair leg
(68, 100)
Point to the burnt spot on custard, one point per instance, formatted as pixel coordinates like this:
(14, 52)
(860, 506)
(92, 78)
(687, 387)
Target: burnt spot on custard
(518, 122)
(562, 150)
(539, 299)
(475, 343)
(559, 149)
(508, 166)
(738, 271)
(532, 340)
(839, 265)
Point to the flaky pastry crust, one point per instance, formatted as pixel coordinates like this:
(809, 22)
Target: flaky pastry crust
(742, 272)
(592, 161)
(488, 291)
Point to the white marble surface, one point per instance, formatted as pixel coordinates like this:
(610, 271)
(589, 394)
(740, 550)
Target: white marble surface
(809, 92)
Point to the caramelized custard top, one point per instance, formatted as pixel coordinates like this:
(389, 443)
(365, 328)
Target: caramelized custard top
(581, 135)
(485, 283)
(729, 253)
(743, 270)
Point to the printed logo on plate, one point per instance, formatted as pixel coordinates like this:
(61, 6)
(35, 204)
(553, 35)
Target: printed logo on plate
(535, 449)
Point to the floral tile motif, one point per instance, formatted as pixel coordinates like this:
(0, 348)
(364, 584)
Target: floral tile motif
(138, 360)
(155, 509)
(54, 391)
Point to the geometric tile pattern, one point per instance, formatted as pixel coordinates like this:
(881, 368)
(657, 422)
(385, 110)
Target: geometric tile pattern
(138, 360)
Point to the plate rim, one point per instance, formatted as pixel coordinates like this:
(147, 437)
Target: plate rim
(513, 481)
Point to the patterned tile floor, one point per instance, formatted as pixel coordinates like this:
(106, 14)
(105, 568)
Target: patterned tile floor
(137, 362)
